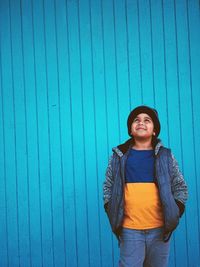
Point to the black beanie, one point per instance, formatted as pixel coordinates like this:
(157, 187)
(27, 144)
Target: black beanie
(144, 109)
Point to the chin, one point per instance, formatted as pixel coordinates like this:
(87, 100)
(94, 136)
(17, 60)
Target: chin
(142, 136)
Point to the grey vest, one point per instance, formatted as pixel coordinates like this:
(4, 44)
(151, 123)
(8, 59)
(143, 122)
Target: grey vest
(163, 171)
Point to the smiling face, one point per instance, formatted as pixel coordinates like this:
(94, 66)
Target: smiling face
(142, 126)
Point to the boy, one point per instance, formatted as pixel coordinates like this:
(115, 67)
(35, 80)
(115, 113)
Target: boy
(144, 193)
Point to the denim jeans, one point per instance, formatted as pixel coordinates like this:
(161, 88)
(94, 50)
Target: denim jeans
(143, 248)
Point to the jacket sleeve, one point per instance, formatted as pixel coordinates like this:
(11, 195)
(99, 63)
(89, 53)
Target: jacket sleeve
(108, 183)
(178, 185)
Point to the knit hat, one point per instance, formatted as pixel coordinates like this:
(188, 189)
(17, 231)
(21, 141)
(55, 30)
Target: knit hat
(144, 109)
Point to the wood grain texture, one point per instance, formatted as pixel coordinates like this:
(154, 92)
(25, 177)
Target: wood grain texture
(70, 72)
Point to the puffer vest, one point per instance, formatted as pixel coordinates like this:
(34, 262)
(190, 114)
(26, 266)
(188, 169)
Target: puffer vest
(163, 171)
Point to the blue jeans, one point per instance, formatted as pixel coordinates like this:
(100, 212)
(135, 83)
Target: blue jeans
(143, 248)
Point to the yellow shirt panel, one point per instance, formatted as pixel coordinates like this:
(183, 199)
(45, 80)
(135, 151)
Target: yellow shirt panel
(143, 209)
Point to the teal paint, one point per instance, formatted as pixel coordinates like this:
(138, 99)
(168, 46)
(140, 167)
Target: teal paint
(70, 72)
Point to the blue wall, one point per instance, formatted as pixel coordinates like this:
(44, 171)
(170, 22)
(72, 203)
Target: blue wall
(70, 72)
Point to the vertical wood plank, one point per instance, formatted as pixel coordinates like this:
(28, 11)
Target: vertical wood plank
(100, 124)
(193, 226)
(10, 137)
(78, 132)
(87, 71)
(43, 135)
(53, 93)
(134, 52)
(186, 121)
(112, 94)
(172, 91)
(65, 104)
(159, 70)
(21, 134)
(120, 33)
(3, 199)
(32, 133)
(148, 94)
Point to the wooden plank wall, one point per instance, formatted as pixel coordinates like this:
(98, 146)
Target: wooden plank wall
(70, 72)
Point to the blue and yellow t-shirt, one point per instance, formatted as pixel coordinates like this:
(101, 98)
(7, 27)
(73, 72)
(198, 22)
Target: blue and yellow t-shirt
(143, 209)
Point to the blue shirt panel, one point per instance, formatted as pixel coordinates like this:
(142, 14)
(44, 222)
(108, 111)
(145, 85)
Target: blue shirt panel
(140, 166)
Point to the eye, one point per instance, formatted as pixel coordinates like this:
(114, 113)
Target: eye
(148, 120)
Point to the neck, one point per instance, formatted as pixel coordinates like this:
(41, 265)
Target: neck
(142, 144)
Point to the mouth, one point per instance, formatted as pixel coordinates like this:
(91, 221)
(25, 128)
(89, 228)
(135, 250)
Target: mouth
(140, 128)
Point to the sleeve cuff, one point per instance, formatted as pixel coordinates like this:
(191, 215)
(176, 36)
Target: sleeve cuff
(181, 207)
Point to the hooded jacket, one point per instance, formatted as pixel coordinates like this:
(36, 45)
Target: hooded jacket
(172, 187)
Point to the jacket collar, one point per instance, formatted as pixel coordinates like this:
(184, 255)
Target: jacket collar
(121, 149)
